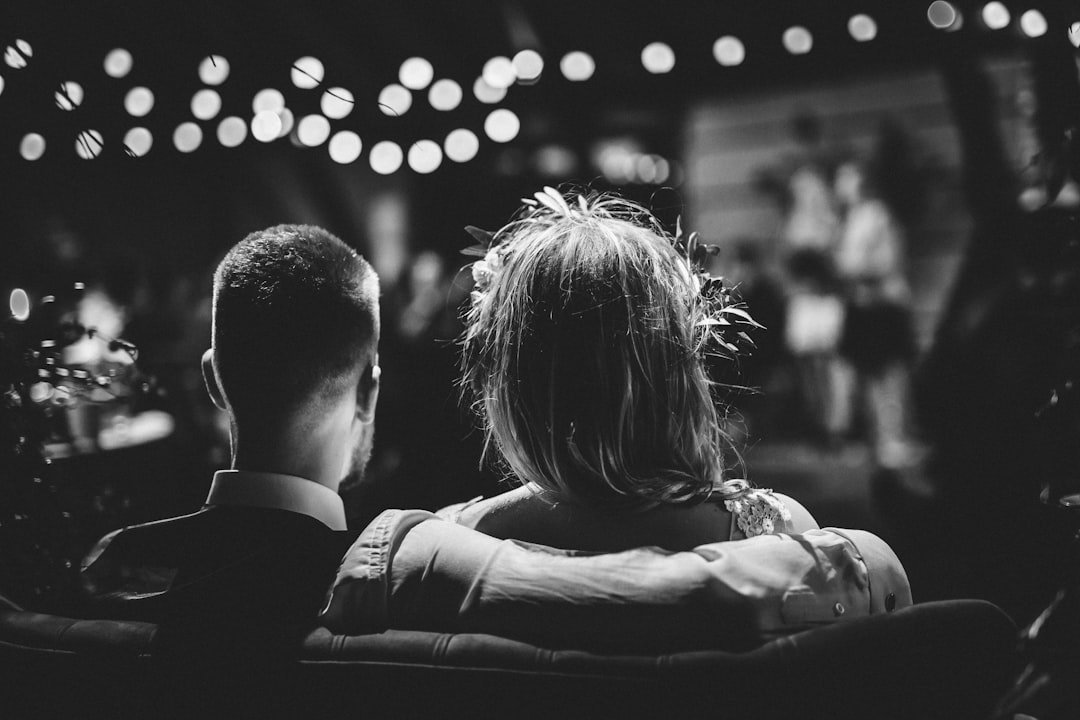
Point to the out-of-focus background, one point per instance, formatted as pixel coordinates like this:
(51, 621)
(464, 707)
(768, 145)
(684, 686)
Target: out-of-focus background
(920, 152)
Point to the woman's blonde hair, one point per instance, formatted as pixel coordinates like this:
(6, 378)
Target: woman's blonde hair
(583, 350)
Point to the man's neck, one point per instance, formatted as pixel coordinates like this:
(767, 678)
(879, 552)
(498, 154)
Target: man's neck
(308, 462)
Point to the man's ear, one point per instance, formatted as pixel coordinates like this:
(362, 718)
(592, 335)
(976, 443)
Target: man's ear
(367, 392)
(210, 378)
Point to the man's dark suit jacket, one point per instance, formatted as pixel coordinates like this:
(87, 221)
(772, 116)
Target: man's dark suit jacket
(220, 565)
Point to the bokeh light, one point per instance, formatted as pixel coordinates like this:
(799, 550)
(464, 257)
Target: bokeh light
(577, 66)
(1, 84)
(138, 141)
(214, 70)
(995, 15)
(118, 63)
(18, 55)
(658, 58)
(69, 95)
(385, 157)
(1074, 34)
(267, 99)
(139, 101)
(425, 156)
(502, 125)
(287, 121)
(205, 104)
(231, 131)
(345, 147)
(941, 14)
(307, 73)
(266, 126)
(445, 95)
(862, 28)
(336, 103)
(32, 146)
(416, 73)
(187, 137)
(19, 304)
(729, 51)
(1033, 23)
(798, 40)
(89, 144)
(461, 145)
(313, 130)
(499, 72)
(528, 66)
(395, 100)
(487, 94)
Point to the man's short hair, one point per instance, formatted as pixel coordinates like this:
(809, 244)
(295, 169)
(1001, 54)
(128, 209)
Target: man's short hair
(296, 311)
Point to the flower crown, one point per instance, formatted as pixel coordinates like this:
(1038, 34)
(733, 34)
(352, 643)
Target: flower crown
(722, 325)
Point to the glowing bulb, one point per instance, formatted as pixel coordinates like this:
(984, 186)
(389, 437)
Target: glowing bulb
(577, 66)
(32, 146)
(205, 104)
(69, 96)
(416, 73)
(445, 95)
(499, 72)
(19, 302)
(729, 51)
(385, 157)
(502, 125)
(307, 73)
(941, 14)
(313, 130)
(118, 63)
(336, 103)
(461, 145)
(1033, 23)
(798, 40)
(231, 131)
(1074, 34)
(345, 147)
(395, 100)
(139, 101)
(658, 58)
(995, 15)
(528, 65)
(425, 156)
(214, 70)
(487, 94)
(187, 137)
(89, 144)
(267, 99)
(862, 28)
(266, 126)
(138, 141)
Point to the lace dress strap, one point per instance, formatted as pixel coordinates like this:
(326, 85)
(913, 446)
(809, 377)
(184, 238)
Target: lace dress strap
(758, 512)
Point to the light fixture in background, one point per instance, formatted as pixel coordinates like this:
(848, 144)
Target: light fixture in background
(19, 304)
(729, 51)
(996, 15)
(528, 66)
(17, 56)
(32, 146)
(416, 73)
(658, 58)
(345, 147)
(69, 95)
(313, 130)
(395, 100)
(502, 125)
(138, 141)
(798, 40)
(425, 156)
(499, 72)
(1033, 23)
(461, 145)
(205, 104)
(266, 126)
(89, 144)
(862, 27)
(307, 72)
(555, 161)
(139, 101)
(385, 157)
(942, 15)
(336, 103)
(267, 99)
(577, 66)
(487, 94)
(214, 70)
(187, 137)
(445, 95)
(118, 63)
(231, 131)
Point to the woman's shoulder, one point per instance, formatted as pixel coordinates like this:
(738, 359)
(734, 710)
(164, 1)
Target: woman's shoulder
(516, 504)
(760, 511)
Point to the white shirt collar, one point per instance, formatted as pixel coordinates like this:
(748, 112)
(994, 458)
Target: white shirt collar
(278, 492)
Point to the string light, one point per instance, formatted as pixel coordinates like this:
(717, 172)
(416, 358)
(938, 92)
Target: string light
(658, 58)
(307, 73)
(502, 125)
(336, 103)
(1074, 34)
(89, 144)
(499, 72)
(385, 157)
(345, 147)
(487, 94)
(528, 66)
(995, 15)
(205, 104)
(187, 137)
(577, 66)
(395, 100)
(17, 56)
(445, 95)
(461, 145)
(798, 40)
(862, 28)
(214, 70)
(139, 101)
(729, 51)
(425, 156)
(231, 131)
(118, 63)
(313, 130)
(941, 14)
(266, 126)
(19, 303)
(69, 96)
(138, 141)
(1033, 23)
(416, 73)
(267, 99)
(32, 146)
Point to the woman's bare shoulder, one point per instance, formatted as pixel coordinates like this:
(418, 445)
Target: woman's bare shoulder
(512, 507)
